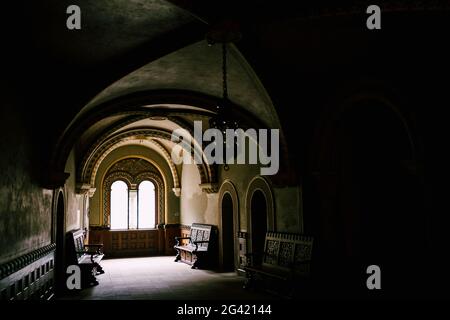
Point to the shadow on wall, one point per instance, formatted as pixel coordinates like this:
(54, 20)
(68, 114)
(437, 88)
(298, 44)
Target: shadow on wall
(25, 208)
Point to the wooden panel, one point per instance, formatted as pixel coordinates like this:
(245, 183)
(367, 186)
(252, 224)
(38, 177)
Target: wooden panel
(138, 242)
(125, 243)
(30, 277)
(170, 232)
(134, 242)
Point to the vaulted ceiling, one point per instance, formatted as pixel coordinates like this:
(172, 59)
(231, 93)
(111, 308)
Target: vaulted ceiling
(151, 55)
(158, 54)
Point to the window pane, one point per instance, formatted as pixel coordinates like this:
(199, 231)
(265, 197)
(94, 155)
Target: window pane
(147, 205)
(119, 205)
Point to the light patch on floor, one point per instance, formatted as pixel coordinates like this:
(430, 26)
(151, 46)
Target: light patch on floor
(160, 278)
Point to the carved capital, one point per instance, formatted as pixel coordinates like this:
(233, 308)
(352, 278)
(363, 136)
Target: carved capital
(85, 189)
(177, 191)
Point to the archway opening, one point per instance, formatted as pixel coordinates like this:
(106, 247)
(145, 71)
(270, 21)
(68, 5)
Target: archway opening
(258, 224)
(228, 233)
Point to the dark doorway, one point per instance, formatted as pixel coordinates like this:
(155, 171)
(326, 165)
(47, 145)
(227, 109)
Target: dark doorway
(59, 254)
(376, 187)
(228, 233)
(378, 192)
(258, 224)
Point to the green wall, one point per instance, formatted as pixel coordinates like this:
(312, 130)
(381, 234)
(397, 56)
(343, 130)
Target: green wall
(25, 207)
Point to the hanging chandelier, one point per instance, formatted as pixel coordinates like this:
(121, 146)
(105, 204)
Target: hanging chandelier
(224, 33)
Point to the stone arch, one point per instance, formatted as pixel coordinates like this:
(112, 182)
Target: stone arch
(262, 185)
(134, 104)
(228, 188)
(346, 214)
(326, 127)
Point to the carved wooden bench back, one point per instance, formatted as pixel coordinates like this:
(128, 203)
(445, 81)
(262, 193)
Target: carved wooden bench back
(288, 251)
(75, 245)
(201, 232)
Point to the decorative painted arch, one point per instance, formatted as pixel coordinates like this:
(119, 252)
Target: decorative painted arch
(147, 172)
(92, 171)
(212, 168)
(101, 149)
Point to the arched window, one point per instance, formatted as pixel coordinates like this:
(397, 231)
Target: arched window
(119, 205)
(133, 209)
(147, 205)
(133, 196)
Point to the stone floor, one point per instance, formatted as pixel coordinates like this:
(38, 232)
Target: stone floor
(160, 278)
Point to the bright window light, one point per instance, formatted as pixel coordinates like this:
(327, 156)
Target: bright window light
(119, 205)
(147, 205)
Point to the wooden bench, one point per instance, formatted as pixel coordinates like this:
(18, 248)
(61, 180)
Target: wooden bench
(86, 256)
(285, 262)
(200, 250)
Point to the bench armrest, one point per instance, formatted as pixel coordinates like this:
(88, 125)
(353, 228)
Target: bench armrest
(88, 252)
(98, 246)
(177, 239)
(91, 253)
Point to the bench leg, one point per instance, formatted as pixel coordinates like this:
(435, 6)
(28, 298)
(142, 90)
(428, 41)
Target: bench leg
(250, 280)
(195, 265)
(88, 278)
(178, 257)
(99, 269)
(199, 260)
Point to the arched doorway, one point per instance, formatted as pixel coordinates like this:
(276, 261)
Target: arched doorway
(228, 233)
(229, 226)
(59, 233)
(258, 213)
(368, 191)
